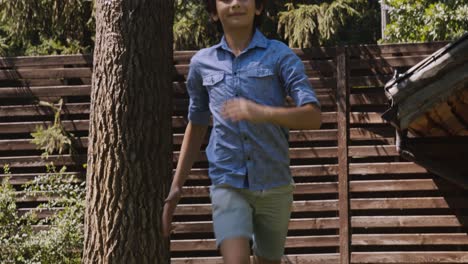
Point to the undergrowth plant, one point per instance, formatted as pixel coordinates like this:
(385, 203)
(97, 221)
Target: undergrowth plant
(26, 238)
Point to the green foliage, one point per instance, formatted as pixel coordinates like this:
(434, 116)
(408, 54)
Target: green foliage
(192, 29)
(301, 23)
(421, 21)
(14, 228)
(62, 242)
(54, 138)
(37, 27)
(314, 24)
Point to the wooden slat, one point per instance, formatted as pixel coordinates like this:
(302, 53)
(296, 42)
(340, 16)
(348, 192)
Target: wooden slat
(374, 99)
(372, 133)
(314, 152)
(40, 213)
(410, 257)
(36, 161)
(322, 82)
(321, 65)
(315, 52)
(294, 136)
(48, 82)
(41, 91)
(294, 224)
(35, 197)
(294, 153)
(381, 62)
(47, 60)
(386, 168)
(56, 73)
(17, 144)
(369, 81)
(26, 144)
(35, 110)
(366, 118)
(330, 258)
(300, 188)
(291, 242)
(296, 171)
(408, 221)
(410, 239)
(29, 127)
(314, 170)
(298, 206)
(373, 151)
(407, 203)
(398, 185)
(376, 50)
(22, 178)
(313, 135)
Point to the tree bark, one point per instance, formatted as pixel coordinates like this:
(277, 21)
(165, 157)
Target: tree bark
(130, 140)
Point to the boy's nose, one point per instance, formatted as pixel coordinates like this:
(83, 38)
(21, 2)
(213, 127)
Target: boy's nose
(235, 4)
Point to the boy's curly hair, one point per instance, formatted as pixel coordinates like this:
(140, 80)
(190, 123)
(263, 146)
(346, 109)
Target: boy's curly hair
(210, 6)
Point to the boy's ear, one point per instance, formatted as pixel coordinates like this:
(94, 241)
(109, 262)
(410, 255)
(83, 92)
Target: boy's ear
(214, 17)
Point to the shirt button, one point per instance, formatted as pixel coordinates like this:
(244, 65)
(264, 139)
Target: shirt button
(235, 73)
(245, 137)
(248, 157)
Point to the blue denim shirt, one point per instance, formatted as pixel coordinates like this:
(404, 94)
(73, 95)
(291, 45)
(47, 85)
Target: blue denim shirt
(244, 154)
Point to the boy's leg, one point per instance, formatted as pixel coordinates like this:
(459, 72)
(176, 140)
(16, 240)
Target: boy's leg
(271, 220)
(232, 222)
(236, 250)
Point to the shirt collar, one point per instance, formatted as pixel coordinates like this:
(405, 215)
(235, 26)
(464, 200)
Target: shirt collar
(258, 40)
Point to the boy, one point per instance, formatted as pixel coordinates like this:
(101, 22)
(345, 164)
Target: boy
(243, 82)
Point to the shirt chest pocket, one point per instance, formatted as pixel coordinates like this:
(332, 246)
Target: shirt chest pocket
(216, 87)
(262, 83)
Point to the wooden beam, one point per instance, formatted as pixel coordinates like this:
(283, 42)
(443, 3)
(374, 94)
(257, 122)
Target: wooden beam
(410, 257)
(342, 105)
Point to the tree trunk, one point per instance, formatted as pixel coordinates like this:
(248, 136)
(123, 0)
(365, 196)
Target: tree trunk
(130, 141)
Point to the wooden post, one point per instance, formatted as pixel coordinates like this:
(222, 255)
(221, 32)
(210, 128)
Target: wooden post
(342, 102)
(384, 17)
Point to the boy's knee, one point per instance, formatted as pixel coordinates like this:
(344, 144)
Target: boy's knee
(236, 251)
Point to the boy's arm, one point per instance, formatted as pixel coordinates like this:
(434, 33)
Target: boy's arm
(307, 116)
(193, 138)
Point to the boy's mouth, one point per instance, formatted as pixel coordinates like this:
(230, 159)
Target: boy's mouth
(236, 14)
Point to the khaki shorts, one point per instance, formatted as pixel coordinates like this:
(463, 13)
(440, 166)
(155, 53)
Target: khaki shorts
(262, 216)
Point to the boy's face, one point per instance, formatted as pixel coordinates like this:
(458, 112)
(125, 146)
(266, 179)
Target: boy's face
(236, 14)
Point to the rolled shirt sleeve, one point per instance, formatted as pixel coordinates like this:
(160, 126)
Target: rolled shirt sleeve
(295, 80)
(198, 111)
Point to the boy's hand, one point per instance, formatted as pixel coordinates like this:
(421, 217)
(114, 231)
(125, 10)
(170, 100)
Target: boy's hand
(243, 109)
(169, 207)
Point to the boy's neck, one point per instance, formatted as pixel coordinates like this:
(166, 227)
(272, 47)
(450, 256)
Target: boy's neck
(238, 40)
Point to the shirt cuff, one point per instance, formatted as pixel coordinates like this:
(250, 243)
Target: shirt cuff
(309, 101)
(199, 118)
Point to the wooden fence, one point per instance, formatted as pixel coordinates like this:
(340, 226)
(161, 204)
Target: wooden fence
(356, 200)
